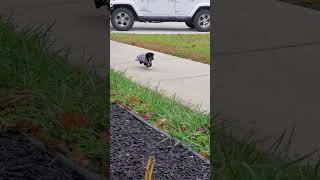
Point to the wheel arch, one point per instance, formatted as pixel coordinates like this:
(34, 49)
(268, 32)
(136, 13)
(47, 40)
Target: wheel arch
(197, 9)
(128, 6)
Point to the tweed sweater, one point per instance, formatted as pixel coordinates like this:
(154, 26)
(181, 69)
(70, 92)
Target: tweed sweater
(142, 58)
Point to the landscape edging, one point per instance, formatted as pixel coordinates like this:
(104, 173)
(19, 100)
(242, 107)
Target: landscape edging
(85, 174)
(141, 119)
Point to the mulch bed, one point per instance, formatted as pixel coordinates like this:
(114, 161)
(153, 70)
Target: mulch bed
(22, 159)
(133, 142)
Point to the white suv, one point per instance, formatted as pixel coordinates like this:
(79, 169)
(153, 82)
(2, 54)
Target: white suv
(195, 13)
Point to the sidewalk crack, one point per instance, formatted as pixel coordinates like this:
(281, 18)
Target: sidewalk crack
(189, 77)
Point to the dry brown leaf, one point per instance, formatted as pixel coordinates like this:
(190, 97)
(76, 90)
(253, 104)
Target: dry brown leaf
(104, 136)
(204, 154)
(160, 122)
(142, 104)
(132, 99)
(57, 145)
(113, 93)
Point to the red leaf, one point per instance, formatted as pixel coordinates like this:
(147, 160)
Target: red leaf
(35, 129)
(147, 115)
(201, 130)
(71, 120)
(68, 121)
(83, 121)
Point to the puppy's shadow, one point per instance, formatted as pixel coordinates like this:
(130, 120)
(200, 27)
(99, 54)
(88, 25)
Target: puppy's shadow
(143, 68)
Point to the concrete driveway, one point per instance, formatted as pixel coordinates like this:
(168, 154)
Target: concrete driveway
(159, 28)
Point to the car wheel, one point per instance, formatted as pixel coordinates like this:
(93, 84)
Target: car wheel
(201, 21)
(122, 19)
(189, 24)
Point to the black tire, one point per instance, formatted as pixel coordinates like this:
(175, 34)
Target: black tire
(201, 21)
(190, 25)
(122, 19)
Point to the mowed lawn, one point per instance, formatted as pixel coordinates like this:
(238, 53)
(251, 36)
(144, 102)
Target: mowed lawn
(191, 46)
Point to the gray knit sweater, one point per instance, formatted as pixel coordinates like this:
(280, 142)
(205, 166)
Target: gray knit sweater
(142, 58)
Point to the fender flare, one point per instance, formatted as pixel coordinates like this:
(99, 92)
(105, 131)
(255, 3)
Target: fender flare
(198, 6)
(126, 3)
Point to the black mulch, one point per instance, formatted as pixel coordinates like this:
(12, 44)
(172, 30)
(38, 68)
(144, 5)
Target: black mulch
(132, 142)
(22, 160)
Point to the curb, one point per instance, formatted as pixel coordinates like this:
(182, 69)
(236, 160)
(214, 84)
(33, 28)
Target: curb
(141, 119)
(83, 173)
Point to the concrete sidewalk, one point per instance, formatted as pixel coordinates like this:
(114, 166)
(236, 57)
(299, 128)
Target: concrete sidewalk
(188, 80)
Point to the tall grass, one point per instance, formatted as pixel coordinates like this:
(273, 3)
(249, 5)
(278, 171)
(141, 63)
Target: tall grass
(27, 63)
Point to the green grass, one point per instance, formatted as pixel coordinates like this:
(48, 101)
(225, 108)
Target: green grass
(181, 122)
(55, 87)
(192, 46)
(314, 4)
(240, 159)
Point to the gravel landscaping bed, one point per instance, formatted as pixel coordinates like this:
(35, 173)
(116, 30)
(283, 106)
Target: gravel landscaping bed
(133, 142)
(22, 159)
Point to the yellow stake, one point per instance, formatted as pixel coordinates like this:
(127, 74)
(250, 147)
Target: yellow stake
(149, 169)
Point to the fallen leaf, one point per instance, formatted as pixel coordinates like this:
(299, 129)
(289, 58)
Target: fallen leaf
(113, 93)
(147, 115)
(68, 120)
(204, 154)
(83, 121)
(201, 129)
(160, 122)
(104, 136)
(71, 120)
(57, 145)
(35, 129)
(132, 99)
(142, 104)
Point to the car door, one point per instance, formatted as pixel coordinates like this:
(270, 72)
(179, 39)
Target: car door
(161, 7)
(184, 7)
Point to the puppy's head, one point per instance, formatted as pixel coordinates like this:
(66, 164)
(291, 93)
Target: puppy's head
(150, 56)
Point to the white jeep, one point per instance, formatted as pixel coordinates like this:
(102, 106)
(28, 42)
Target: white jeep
(195, 13)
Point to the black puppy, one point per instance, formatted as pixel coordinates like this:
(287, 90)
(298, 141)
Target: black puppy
(145, 59)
